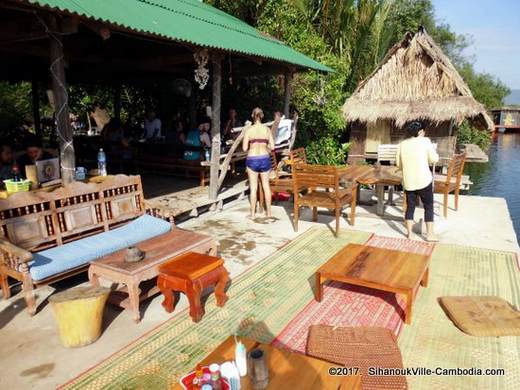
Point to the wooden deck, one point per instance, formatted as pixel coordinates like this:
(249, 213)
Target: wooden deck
(192, 201)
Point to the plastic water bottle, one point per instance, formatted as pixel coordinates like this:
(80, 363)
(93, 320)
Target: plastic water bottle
(206, 154)
(241, 358)
(102, 162)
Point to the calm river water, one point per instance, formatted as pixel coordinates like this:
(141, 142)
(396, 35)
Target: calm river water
(501, 176)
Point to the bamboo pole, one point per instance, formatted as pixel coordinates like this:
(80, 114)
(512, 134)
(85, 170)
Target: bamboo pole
(59, 88)
(215, 126)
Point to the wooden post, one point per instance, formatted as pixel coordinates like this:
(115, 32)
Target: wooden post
(35, 92)
(59, 88)
(216, 61)
(287, 95)
(117, 102)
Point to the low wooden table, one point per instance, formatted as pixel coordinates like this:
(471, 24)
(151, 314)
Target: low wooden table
(158, 250)
(287, 370)
(377, 268)
(191, 273)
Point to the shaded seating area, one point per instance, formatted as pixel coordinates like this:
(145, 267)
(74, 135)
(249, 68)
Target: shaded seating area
(50, 236)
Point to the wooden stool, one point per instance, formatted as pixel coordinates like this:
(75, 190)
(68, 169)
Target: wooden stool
(79, 314)
(191, 273)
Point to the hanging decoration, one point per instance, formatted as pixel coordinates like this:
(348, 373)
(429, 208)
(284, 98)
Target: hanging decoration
(202, 72)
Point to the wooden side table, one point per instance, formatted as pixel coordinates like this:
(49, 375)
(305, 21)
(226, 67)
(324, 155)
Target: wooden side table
(191, 273)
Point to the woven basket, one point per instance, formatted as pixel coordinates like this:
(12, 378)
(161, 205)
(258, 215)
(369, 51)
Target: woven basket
(17, 186)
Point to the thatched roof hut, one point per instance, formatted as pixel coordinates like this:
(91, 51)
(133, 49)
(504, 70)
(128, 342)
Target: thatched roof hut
(415, 81)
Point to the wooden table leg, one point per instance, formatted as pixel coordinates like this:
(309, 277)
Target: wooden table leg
(318, 288)
(92, 277)
(194, 292)
(4, 286)
(170, 300)
(220, 293)
(133, 295)
(426, 275)
(408, 310)
(390, 201)
(380, 193)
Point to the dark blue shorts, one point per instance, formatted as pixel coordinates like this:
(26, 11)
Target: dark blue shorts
(259, 164)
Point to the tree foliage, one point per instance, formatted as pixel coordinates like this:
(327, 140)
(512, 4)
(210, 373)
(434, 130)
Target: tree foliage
(352, 36)
(15, 104)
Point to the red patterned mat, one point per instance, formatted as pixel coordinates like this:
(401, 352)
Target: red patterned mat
(401, 244)
(345, 305)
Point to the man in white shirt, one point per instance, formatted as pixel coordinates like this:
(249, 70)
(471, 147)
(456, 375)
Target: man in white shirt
(152, 126)
(414, 156)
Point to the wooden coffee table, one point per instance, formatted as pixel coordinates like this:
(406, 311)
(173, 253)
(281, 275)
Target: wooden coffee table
(287, 370)
(377, 268)
(158, 250)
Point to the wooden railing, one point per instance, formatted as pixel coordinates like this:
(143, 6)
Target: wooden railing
(236, 155)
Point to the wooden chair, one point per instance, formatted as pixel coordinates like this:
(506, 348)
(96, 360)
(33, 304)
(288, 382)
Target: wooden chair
(451, 181)
(322, 182)
(282, 181)
(298, 156)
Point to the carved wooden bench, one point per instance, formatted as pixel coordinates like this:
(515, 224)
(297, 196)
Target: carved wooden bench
(49, 236)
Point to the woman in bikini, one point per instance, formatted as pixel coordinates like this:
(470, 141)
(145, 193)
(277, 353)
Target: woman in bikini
(258, 142)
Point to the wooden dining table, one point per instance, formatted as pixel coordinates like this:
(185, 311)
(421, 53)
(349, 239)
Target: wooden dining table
(381, 176)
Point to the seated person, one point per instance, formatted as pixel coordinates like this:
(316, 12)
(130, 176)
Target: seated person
(152, 126)
(196, 139)
(231, 123)
(116, 142)
(6, 162)
(112, 133)
(180, 137)
(33, 152)
(276, 122)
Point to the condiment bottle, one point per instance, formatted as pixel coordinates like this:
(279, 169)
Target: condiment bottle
(241, 358)
(214, 370)
(198, 381)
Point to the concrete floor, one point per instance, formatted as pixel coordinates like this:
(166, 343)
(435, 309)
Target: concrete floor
(31, 356)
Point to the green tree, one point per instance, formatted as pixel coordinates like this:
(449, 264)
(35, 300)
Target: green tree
(15, 105)
(486, 88)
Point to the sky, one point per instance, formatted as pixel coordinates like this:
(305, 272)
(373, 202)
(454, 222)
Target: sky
(494, 28)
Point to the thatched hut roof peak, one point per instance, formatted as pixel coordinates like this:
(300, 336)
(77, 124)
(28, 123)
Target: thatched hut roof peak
(415, 80)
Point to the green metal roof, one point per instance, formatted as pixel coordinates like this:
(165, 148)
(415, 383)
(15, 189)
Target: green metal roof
(190, 21)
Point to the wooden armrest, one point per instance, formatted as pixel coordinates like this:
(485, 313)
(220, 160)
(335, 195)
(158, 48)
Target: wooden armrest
(23, 255)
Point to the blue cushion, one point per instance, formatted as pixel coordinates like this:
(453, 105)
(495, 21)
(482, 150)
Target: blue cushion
(74, 254)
